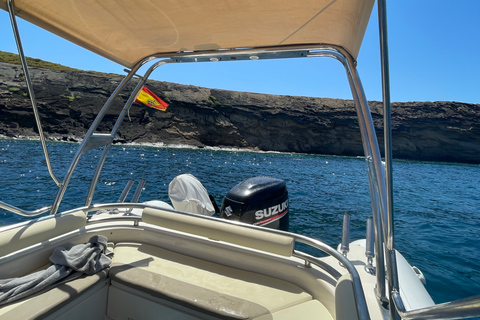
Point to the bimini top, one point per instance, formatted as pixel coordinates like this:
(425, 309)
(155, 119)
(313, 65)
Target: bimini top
(128, 31)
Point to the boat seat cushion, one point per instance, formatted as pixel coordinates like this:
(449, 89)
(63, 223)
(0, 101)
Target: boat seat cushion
(202, 285)
(310, 310)
(40, 230)
(218, 230)
(45, 303)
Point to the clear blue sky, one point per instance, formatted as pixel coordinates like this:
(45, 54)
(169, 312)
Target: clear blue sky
(434, 56)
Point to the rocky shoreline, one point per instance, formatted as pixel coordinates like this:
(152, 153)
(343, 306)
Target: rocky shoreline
(200, 117)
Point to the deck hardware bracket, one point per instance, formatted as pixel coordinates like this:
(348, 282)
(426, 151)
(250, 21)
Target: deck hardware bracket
(97, 140)
(369, 268)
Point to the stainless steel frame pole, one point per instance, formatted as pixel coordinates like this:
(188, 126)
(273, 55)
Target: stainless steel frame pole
(91, 130)
(96, 175)
(372, 154)
(117, 125)
(390, 250)
(31, 93)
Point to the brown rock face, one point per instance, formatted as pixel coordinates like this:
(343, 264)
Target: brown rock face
(69, 101)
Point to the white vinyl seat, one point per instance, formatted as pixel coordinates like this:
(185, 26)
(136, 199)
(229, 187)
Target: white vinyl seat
(199, 285)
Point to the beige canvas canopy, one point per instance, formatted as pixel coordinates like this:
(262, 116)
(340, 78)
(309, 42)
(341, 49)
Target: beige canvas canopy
(127, 31)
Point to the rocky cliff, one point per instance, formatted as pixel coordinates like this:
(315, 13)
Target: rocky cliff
(69, 100)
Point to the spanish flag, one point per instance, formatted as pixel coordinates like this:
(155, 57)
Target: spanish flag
(148, 98)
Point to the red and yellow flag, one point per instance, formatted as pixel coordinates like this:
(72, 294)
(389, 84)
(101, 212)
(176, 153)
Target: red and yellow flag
(148, 98)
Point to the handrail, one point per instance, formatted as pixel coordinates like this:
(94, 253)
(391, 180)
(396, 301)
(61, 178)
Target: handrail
(459, 309)
(31, 93)
(311, 259)
(360, 300)
(22, 212)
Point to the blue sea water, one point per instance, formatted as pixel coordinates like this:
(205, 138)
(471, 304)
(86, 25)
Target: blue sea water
(437, 206)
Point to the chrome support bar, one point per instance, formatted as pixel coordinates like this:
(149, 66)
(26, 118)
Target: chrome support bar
(137, 193)
(136, 75)
(22, 212)
(380, 289)
(107, 139)
(139, 190)
(390, 256)
(382, 20)
(96, 174)
(459, 309)
(389, 239)
(319, 263)
(125, 191)
(90, 132)
(372, 157)
(378, 174)
(135, 93)
(31, 93)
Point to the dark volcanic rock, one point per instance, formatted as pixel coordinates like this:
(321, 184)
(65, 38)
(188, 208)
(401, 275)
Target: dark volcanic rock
(69, 101)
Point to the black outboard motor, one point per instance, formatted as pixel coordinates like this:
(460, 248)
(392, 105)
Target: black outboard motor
(261, 201)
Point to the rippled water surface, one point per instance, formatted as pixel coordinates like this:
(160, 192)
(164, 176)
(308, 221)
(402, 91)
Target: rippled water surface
(437, 206)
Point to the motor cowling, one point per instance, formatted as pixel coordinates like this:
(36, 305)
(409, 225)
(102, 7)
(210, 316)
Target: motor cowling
(261, 201)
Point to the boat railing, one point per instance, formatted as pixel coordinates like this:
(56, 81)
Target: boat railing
(22, 212)
(459, 309)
